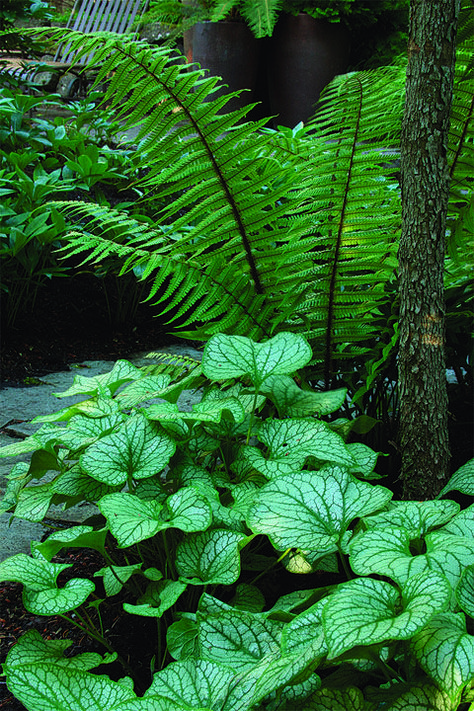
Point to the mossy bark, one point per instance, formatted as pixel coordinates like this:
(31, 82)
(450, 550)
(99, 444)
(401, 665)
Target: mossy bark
(425, 189)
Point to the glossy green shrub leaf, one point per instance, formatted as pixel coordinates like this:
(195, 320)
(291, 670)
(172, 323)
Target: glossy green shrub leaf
(312, 510)
(196, 684)
(462, 480)
(387, 552)
(446, 652)
(121, 373)
(115, 577)
(416, 517)
(292, 401)
(136, 450)
(366, 611)
(237, 639)
(211, 557)
(291, 442)
(465, 591)
(132, 520)
(234, 356)
(158, 597)
(41, 596)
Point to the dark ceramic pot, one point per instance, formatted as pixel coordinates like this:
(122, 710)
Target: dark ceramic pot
(228, 50)
(304, 55)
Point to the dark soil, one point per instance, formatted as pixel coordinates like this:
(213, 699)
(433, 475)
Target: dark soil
(70, 323)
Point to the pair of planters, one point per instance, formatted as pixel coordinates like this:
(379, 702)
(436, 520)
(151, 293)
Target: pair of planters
(286, 72)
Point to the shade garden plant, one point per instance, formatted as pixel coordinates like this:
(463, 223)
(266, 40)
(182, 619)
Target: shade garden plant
(250, 529)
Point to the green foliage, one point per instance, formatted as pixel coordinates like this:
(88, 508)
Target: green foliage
(203, 512)
(12, 11)
(42, 159)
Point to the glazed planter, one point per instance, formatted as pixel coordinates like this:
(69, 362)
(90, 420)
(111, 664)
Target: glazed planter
(305, 54)
(228, 50)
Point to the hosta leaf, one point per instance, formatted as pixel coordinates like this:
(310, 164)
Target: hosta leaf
(233, 356)
(121, 373)
(138, 391)
(416, 517)
(211, 557)
(336, 700)
(137, 450)
(74, 537)
(236, 638)
(446, 652)
(197, 683)
(158, 598)
(34, 502)
(290, 442)
(115, 576)
(387, 552)
(465, 591)
(41, 596)
(292, 401)
(32, 649)
(462, 480)
(312, 510)
(366, 611)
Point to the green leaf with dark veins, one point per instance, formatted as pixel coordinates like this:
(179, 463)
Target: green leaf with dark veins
(234, 356)
(462, 524)
(115, 576)
(182, 638)
(462, 480)
(197, 684)
(137, 450)
(416, 517)
(387, 552)
(158, 598)
(121, 373)
(211, 557)
(41, 596)
(366, 612)
(410, 697)
(312, 510)
(131, 520)
(75, 482)
(445, 651)
(34, 502)
(74, 537)
(138, 391)
(365, 460)
(292, 401)
(337, 700)
(291, 442)
(465, 591)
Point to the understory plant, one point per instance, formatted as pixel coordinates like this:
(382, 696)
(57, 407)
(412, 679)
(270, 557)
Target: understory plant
(202, 512)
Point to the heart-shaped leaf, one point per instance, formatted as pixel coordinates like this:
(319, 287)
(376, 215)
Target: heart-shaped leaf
(75, 482)
(306, 629)
(446, 652)
(74, 537)
(237, 639)
(197, 684)
(34, 502)
(462, 524)
(387, 552)
(336, 700)
(290, 442)
(312, 510)
(138, 391)
(159, 597)
(137, 450)
(416, 517)
(206, 411)
(211, 557)
(132, 520)
(121, 373)
(462, 480)
(115, 577)
(41, 596)
(366, 611)
(292, 401)
(233, 356)
(182, 638)
(410, 697)
(465, 591)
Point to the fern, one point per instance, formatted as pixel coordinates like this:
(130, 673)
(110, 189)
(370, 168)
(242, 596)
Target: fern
(261, 233)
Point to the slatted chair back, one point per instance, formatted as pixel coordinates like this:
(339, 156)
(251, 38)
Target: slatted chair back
(100, 16)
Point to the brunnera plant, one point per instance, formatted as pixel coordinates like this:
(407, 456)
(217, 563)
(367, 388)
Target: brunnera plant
(198, 508)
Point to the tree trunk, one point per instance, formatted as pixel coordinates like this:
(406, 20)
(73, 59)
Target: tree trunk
(425, 188)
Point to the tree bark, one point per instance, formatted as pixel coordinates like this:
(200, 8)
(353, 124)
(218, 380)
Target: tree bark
(425, 188)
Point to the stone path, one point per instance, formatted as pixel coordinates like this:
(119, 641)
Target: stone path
(18, 406)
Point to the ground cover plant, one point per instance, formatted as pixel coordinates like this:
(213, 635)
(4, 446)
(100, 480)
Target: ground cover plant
(204, 512)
